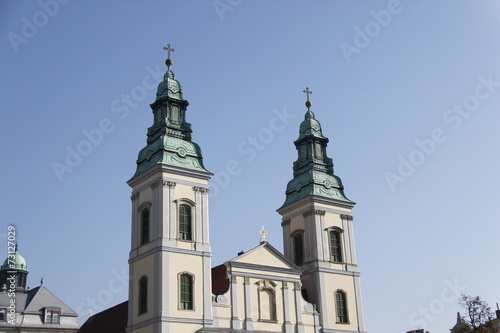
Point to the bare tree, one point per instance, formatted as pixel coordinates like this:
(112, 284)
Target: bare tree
(476, 314)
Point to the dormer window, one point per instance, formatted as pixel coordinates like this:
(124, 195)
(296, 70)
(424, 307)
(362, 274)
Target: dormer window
(52, 315)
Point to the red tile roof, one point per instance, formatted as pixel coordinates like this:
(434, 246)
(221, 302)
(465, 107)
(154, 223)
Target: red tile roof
(112, 320)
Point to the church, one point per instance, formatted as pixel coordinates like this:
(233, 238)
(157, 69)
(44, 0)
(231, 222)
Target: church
(313, 286)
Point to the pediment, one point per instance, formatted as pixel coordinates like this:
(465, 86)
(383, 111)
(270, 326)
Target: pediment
(267, 256)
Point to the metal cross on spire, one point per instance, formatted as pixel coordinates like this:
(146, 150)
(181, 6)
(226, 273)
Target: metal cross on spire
(263, 234)
(308, 92)
(169, 61)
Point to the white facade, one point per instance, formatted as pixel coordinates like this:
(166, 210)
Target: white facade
(165, 256)
(264, 288)
(323, 276)
(313, 288)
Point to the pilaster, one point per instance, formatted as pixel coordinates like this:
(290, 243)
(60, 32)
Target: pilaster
(235, 321)
(349, 227)
(314, 226)
(155, 211)
(207, 289)
(297, 290)
(248, 305)
(286, 308)
(205, 215)
(172, 209)
(347, 239)
(359, 303)
(197, 219)
(135, 220)
(287, 244)
(164, 290)
(164, 206)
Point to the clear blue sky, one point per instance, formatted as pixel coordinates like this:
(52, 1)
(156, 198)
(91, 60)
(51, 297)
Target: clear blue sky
(408, 92)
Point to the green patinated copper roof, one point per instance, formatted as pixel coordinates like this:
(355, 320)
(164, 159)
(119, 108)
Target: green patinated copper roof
(169, 87)
(169, 138)
(313, 170)
(15, 263)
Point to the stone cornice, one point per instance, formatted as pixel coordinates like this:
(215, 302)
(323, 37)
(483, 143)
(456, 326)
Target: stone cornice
(346, 217)
(133, 256)
(285, 222)
(169, 169)
(155, 184)
(262, 268)
(201, 189)
(313, 212)
(330, 270)
(167, 183)
(315, 199)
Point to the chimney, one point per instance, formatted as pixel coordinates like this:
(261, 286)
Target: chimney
(498, 312)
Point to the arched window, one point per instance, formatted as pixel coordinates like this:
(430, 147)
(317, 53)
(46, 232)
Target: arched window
(341, 306)
(143, 295)
(144, 226)
(186, 291)
(335, 246)
(298, 248)
(185, 225)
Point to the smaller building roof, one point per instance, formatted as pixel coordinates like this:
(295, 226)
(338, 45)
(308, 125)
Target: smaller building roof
(112, 320)
(40, 297)
(31, 305)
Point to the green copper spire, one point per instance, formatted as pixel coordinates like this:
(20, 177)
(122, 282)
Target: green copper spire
(14, 265)
(169, 138)
(313, 170)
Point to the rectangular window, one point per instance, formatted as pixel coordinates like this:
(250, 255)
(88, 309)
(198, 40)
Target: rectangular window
(143, 295)
(340, 298)
(335, 246)
(52, 316)
(55, 317)
(185, 222)
(2, 314)
(298, 248)
(186, 292)
(145, 226)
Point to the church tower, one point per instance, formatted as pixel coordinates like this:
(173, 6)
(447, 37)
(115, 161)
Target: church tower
(318, 232)
(170, 257)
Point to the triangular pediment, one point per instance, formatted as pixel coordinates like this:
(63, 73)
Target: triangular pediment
(268, 256)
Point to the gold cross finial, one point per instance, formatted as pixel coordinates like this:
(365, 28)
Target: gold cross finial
(169, 61)
(308, 92)
(263, 234)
